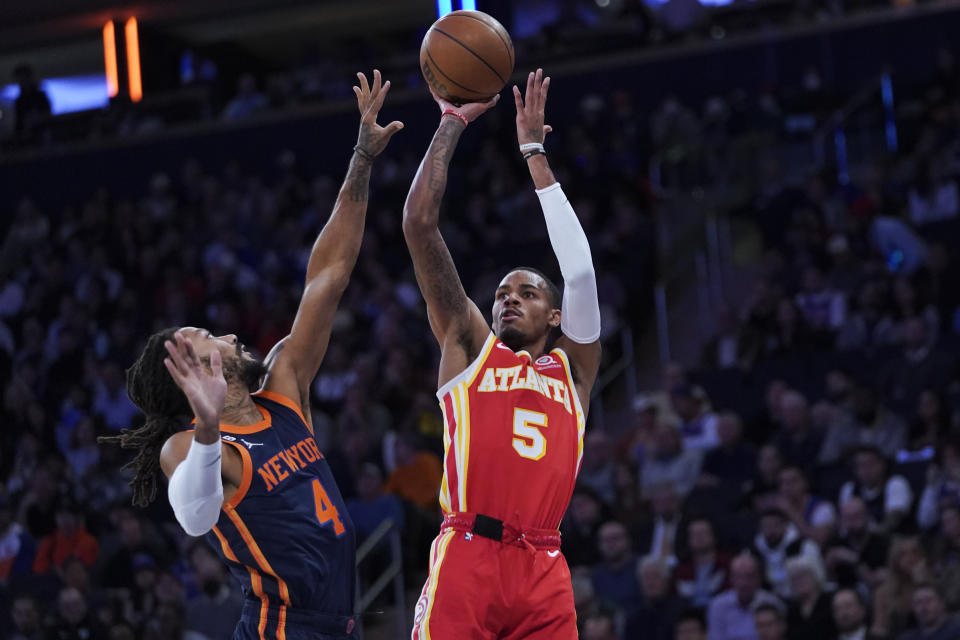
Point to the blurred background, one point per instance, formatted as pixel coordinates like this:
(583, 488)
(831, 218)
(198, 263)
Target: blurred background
(770, 190)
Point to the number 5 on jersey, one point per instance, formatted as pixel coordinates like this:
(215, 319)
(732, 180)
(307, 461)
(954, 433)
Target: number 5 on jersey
(528, 440)
(326, 510)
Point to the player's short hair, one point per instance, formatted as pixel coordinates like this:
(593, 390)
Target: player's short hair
(556, 300)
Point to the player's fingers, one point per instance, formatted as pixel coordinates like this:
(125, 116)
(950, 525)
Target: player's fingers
(192, 358)
(377, 81)
(174, 372)
(379, 97)
(543, 90)
(546, 129)
(175, 355)
(393, 127)
(493, 101)
(364, 85)
(216, 364)
(528, 96)
(517, 100)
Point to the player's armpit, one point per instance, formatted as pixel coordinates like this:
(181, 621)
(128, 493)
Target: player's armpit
(584, 365)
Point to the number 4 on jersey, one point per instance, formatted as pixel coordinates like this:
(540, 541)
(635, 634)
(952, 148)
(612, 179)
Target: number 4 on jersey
(326, 510)
(528, 440)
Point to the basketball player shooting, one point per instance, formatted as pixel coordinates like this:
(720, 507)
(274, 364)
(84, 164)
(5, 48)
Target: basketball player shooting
(514, 412)
(248, 474)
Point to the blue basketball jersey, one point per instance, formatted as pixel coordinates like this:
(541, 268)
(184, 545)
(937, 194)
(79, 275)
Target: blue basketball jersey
(286, 534)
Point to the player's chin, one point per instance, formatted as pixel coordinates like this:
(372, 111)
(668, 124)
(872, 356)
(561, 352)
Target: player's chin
(512, 335)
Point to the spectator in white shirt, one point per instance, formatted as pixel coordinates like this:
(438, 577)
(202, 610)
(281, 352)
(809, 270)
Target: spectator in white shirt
(698, 425)
(778, 541)
(814, 517)
(888, 498)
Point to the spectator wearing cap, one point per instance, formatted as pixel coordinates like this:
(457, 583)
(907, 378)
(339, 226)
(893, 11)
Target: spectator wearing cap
(850, 616)
(614, 579)
(808, 612)
(670, 463)
(778, 541)
(770, 623)
(698, 425)
(69, 539)
(869, 424)
(730, 615)
(733, 464)
(814, 517)
(797, 440)
(705, 571)
(655, 614)
(691, 625)
(888, 498)
(858, 553)
(933, 623)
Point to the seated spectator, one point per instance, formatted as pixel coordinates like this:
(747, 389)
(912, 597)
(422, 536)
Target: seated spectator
(170, 624)
(417, 475)
(813, 517)
(931, 423)
(579, 527)
(215, 609)
(698, 425)
(808, 614)
(372, 506)
(69, 539)
(110, 397)
(705, 571)
(662, 533)
(654, 616)
(892, 600)
(730, 346)
(797, 440)
(691, 625)
(248, 100)
(789, 334)
(637, 443)
(669, 462)
(17, 548)
(764, 490)
(730, 615)
(599, 625)
(770, 623)
(822, 308)
(614, 579)
(919, 366)
(850, 616)
(778, 541)
(596, 469)
(945, 556)
(870, 424)
(858, 552)
(888, 498)
(943, 485)
(74, 620)
(732, 464)
(933, 623)
(132, 540)
(26, 618)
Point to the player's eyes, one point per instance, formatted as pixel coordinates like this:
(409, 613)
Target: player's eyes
(528, 294)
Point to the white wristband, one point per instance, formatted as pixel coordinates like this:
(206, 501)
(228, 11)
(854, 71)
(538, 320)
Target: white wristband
(530, 146)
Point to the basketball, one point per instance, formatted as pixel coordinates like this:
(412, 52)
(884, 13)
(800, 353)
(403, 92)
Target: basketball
(466, 56)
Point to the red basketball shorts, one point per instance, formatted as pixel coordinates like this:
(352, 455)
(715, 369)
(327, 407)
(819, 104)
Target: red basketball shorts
(479, 588)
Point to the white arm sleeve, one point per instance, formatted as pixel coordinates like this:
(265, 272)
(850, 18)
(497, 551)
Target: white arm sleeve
(581, 307)
(196, 488)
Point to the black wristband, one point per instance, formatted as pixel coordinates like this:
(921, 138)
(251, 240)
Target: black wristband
(363, 153)
(533, 152)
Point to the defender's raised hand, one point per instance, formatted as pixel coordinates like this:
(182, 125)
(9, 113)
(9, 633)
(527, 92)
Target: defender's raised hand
(530, 115)
(373, 138)
(205, 388)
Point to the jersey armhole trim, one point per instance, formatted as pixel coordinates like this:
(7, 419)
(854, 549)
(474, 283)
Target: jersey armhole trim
(246, 479)
(281, 399)
(468, 374)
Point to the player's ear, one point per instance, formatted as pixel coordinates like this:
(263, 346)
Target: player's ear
(554, 319)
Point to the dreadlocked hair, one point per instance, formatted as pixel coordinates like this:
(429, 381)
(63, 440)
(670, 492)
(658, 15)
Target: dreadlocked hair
(153, 390)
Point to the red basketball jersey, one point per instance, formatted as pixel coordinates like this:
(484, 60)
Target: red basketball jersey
(513, 437)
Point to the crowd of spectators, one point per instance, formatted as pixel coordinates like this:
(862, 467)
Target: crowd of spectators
(803, 479)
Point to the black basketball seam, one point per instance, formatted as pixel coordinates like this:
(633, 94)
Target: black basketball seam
(473, 53)
(506, 45)
(437, 67)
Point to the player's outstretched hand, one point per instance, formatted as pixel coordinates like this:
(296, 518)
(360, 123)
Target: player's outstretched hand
(530, 116)
(469, 110)
(373, 138)
(205, 387)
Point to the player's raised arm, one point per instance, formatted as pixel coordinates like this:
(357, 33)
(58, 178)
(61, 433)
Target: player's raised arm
(580, 319)
(455, 320)
(294, 362)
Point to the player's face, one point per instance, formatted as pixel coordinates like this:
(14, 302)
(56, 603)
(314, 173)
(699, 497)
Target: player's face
(238, 363)
(522, 309)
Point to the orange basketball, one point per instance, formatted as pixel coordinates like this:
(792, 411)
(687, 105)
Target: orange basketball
(466, 56)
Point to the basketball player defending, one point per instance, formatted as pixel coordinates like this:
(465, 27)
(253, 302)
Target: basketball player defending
(249, 475)
(514, 412)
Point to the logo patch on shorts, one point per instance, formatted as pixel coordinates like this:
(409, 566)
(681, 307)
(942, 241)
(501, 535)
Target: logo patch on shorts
(468, 536)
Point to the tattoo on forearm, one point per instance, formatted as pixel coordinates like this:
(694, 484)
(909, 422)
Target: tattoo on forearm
(438, 159)
(357, 182)
(442, 281)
